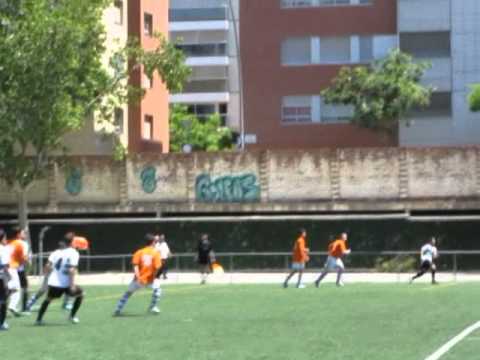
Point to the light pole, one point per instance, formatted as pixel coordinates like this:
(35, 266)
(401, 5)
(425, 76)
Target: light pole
(240, 76)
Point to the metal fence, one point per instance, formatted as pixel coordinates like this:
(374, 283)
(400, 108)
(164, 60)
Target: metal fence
(360, 261)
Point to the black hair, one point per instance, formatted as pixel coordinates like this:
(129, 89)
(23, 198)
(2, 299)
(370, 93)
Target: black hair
(68, 238)
(301, 231)
(15, 231)
(2, 234)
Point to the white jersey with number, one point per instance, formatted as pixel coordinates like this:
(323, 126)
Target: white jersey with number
(62, 261)
(5, 254)
(428, 253)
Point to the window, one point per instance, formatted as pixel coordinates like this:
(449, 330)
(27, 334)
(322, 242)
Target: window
(147, 24)
(318, 3)
(296, 51)
(297, 109)
(148, 127)
(426, 44)
(335, 50)
(440, 106)
(118, 5)
(365, 49)
(147, 82)
(331, 113)
(118, 121)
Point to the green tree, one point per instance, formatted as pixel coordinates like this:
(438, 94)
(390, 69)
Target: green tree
(52, 79)
(383, 93)
(474, 98)
(187, 129)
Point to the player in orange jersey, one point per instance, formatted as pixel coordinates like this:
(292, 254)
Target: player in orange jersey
(18, 262)
(336, 250)
(299, 257)
(146, 263)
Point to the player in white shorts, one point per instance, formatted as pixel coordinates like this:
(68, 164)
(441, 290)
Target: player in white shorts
(428, 253)
(63, 264)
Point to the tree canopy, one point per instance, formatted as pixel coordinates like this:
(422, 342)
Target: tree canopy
(52, 78)
(200, 135)
(383, 93)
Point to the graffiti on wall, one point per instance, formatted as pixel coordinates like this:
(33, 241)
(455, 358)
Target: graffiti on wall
(227, 189)
(73, 182)
(149, 180)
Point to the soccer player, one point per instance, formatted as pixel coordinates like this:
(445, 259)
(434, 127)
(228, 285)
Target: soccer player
(205, 257)
(336, 250)
(18, 261)
(300, 258)
(428, 253)
(146, 263)
(4, 278)
(44, 288)
(63, 265)
(162, 247)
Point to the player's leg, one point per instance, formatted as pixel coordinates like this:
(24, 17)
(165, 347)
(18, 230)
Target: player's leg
(299, 281)
(43, 289)
(52, 293)
(14, 288)
(204, 270)
(132, 287)
(340, 269)
(433, 269)
(423, 269)
(3, 305)
(289, 276)
(157, 292)
(326, 268)
(77, 294)
(164, 268)
(24, 289)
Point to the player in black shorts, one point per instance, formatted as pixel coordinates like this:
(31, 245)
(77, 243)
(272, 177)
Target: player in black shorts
(205, 257)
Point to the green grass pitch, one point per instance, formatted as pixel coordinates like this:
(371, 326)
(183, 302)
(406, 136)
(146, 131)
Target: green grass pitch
(253, 322)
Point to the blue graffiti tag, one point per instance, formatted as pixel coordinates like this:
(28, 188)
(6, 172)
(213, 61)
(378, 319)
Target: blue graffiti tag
(148, 178)
(73, 183)
(227, 189)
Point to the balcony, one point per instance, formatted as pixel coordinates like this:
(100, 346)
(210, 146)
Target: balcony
(423, 15)
(205, 86)
(198, 14)
(204, 50)
(200, 98)
(208, 61)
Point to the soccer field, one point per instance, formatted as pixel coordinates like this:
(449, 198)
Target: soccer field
(240, 322)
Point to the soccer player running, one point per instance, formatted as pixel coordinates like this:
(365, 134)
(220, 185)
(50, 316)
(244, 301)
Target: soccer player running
(205, 257)
(336, 250)
(62, 265)
(300, 258)
(428, 253)
(18, 261)
(146, 263)
(4, 278)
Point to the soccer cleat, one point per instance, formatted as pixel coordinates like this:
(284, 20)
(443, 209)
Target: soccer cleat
(74, 320)
(434, 282)
(4, 327)
(301, 286)
(285, 285)
(154, 310)
(117, 313)
(317, 283)
(340, 284)
(39, 323)
(67, 306)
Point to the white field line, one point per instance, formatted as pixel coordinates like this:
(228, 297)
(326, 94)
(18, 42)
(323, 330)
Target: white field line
(454, 341)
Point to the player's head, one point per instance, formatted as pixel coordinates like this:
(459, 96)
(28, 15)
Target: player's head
(150, 239)
(204, 237)
(344, 236)
(68, 238)
(433, 241)
(17, 233)
(161, 238)
(302, 232)
(3, 237)
(62, 245)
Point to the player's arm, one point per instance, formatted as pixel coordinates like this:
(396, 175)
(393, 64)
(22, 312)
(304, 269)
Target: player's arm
(72, 272)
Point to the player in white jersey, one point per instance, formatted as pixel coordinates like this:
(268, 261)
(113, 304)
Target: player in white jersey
(63, 264)
(162, 247)
(5, 253)
(428, 253)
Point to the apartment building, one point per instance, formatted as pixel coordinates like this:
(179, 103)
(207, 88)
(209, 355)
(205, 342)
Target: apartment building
(141, 127)
(292, 49)
(207, 31)
(446, 33)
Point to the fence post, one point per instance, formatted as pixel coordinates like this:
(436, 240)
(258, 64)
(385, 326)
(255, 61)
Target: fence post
(123, 265)
(231, 262)
(455, 267)
(177, 263)
(286, 262)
